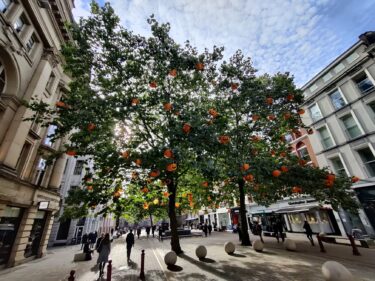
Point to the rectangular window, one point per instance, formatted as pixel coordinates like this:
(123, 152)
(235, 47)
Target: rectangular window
(338, 166)
(40, 171)
(351, 126)
(4, 5)
(339, 67)
(19, 23)
(352, 57)
(30, 43)
(364, 84)
(315, 112)
(368, 160)
(313, 88)
(337, 99)
(50, 134)
(372, 106)
(304, 154)
(50, 82)
(327, 77)
(23, 157)
(325, 137)
(78, 168)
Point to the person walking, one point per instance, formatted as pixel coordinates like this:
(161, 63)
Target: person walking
(94, 238)
(138, 232)
(98, 242)
(85, 237)
(129, 244)
(148, 231)
(280, 229)
(160, 233)
(87, 250)
(104, 250)
(90, 238)
(309, 232)
(153, 231)
(258, 230)
(205, 228)
(209, 229)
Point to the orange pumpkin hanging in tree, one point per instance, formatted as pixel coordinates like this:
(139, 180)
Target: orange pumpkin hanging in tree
(302, 162)
(173, 72)
(204, 184)
(284, 169)
(186, 128)
(213, 112)
(234, 86)
(145, 205)
(89, 188)
(224, 139)
(287, 115)
(245, 167)
(91, 127)
(249, 177)
(117, 194)
(199, 66)
(168, 153)
(71, 153)
(271, 117)
(138, 162)
(177, 205)
(145, 189)
(255, 117)
(328, 183)
(167, 106)
(134, 101)
(276, 173)
(301, 111)
(126, 154)
(283, 154)
(269, 101)
(153, 84)
(171, 167)
(331, 177)
(166, 194)
(61, 104)
(154, 173)
(296, 189)
(290, 97)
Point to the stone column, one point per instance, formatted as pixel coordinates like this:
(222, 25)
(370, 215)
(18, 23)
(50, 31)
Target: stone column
(57, 172)
(45, 235)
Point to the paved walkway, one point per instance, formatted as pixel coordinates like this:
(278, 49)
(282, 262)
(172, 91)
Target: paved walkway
(274, 263)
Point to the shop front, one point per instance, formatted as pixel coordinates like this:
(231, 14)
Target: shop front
(36, 234)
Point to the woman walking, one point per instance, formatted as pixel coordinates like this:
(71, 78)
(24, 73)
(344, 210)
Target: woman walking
(104, 249)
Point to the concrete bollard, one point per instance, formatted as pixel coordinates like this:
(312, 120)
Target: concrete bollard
(170, 258)
(109, 270)
(334, 271)
(72, 275)
(229, 247)
(354, 246)
(142, 275)
(320, 242)
(258, 245)
(201, 252)
(290, 245)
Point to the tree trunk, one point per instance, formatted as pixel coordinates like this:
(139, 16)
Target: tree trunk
(244, 229)
(175, 241)
(152, 223)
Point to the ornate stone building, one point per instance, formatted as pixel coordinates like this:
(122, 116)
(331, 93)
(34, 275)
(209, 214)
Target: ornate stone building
(32, 33)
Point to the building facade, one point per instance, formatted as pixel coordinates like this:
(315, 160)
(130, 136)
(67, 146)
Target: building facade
(32, 33)
(340, 107)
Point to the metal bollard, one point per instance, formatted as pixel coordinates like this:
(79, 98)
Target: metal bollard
(354, 246)
(71, 275)
(142, 275)
(109, 270)
(322, 249)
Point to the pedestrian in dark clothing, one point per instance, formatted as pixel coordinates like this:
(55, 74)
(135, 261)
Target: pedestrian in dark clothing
(90, 238)
(278, 230)
(148, 231)
(209, 229)
(160, 233)
(205, 228)
(258, 230)
(98, 242)
(138, 232)
(153, 231)
(129, 243)
(85, 237)
(104, 250)
(87, 251)
(93, 241)
(309, 232)
(239, 232)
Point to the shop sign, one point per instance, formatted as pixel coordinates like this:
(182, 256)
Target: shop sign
(43, 205)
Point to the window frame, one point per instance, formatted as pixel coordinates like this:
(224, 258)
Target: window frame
(330, 135)
(364, 164)
(2, 77)
(24, 21)
(47, 140)
(345, 168)
(6, 6)
(78, 167)
(33, 40)
(369, 77)
(362, 132)
(321, 115)
(342, 96)
(303, 147)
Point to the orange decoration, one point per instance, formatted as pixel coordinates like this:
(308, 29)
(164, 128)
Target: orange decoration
(60, 104)
(153, 84)
(269, 101)
(290, 97)
(355, 179)
(135, 101)
(156, 202)
(224, 139)
(71, 152)
(296, 189)
(234, 86)
(287, 115)
(245, 167)
(126, 154)
(331, 177)
(145, 190)
(186, 128)
(91, 127)
(284, 169)
(191, 204)
(89, 188)
(116, 194)
(301, 111)
(199, 66)
(167, 106)
(173, 72)
(255, 117)
(248, 177)
(177, 205)
(276, 173)
(204, 184)
(138, 162)
(166, 194)
(168, 153)
(273, 153)
(271, 117)
(255, 138)
(154, 173)
(283, 154)
(145, 206)
(302, 162)
(213, 112)
(171, 167)
(329, 183)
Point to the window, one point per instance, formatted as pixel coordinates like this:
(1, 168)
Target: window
(327, 77)
(40, 171)
(313, 88)
(78, 168)
(50, 133)
(30, 43)
(2, 77)
(352, 57)
(23, 157)
(302, 152)
(339, 67)
(19, 23)
(351, 126)
(338, 166)
(368, 160)
(325, 137)
(4, 5)
(372, 106)
(337, 99)
(364, 84)
(315, 112)
(50, 82)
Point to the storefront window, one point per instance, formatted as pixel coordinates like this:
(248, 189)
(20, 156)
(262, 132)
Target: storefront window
(295, 218)
(36, 233)
(311, 218)
(9, 223)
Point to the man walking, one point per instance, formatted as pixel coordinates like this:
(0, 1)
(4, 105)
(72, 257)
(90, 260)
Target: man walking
(148, 231)
(205, 228)
(85, 238)
(129, 243)
(153, 231)
(209, 229)
(138, 232)
(309, 232)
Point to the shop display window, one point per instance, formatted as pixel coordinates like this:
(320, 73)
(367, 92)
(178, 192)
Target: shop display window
(311, 218)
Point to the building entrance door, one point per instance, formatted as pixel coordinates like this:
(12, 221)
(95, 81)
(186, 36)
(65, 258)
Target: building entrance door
(78, 234)
(36, 234)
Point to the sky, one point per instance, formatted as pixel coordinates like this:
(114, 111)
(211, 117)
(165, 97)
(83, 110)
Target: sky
(296, 36)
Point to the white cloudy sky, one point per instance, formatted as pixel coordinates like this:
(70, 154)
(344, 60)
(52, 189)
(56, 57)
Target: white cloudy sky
(299, 36)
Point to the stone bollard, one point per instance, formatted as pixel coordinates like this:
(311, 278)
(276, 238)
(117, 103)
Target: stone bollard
(229, 248)
(334, 271)
(258, 245)
(322, 249)
(354, 246)
(109, 270)
(170, 258)
(290, 245)
(72, 275)
(142, 275)
(201, 252)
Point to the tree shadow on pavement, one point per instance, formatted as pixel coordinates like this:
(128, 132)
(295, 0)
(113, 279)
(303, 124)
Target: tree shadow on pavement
(237, 255)
(174, 268)
(207, 260)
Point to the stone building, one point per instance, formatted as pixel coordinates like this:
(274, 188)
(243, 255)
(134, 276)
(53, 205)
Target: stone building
(340, 106)
(32, 33)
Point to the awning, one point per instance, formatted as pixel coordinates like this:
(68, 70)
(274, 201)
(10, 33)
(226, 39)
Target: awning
(296, 209)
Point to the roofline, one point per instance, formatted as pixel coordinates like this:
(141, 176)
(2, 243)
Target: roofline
(329, 66)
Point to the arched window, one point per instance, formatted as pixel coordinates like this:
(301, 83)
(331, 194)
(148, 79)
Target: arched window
(2, 77)
(302, 151)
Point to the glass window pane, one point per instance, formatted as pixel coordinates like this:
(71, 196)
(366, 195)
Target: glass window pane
(368, 160)
(338, 166)
(19, 23)
(372, 106)
(351, 126)
(364, 84)
(325, 137)
(4, 4)
(337, 99)
(50, 132)
(315, 112)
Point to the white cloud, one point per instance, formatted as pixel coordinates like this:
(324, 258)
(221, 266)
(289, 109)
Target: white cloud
(279, 35)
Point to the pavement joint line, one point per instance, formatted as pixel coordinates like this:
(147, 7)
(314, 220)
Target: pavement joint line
(157, 259)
